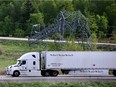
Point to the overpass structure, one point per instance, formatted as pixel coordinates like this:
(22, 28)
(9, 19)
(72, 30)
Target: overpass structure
(74, 22)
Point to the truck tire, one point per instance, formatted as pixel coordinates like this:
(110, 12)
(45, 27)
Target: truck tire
(16, 73)
(54, 73)
(65, 71)
(43, 72)
(49, 73)
(114, 72)
(46, 73)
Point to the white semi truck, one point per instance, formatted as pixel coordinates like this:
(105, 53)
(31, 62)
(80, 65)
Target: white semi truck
(51, 63)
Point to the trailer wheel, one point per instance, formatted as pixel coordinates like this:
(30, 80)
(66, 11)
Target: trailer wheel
(114, 72)
(65, 71)
(16, 73)
(55, 73)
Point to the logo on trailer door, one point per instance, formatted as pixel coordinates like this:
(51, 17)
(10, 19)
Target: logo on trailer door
(56, 64)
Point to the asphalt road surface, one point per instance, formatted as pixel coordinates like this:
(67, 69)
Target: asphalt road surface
(59, 78)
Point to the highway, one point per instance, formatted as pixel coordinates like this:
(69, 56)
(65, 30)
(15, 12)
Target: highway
(77, 42)
(60, 78)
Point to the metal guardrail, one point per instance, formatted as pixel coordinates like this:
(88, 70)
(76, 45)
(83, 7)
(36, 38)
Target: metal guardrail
(57, 41)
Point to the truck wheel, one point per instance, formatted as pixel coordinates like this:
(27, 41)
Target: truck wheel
(46, 73)
(42, 74)
(114, 72)
(16, 74)
(55, 73)
(65, 71)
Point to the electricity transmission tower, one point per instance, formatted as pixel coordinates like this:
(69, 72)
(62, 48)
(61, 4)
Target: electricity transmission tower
(75, 22)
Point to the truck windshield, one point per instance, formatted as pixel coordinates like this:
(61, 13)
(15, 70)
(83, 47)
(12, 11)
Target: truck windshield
(18, 62)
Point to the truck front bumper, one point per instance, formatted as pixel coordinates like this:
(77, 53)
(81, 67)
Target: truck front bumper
(9, 71)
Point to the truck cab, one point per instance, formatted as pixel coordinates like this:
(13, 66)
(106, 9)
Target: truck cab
(27, 65)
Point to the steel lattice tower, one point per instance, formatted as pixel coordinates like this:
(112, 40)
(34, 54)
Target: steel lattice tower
(71, 21)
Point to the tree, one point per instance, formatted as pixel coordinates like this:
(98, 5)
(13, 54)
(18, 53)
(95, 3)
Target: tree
(15, 10)
(48, 8)
(111, 14)
(26, 9)
(8, 26)
(2, 30)
(92, 23)
(102, 24)
(99, 6)
(81, 5)
(64, 5)
(36, 18)
(3, 11)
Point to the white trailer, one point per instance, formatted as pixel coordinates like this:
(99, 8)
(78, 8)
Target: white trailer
(50, 63)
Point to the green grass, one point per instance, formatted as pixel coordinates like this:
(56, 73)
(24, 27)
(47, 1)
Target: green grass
(4, 63)
(61, 84)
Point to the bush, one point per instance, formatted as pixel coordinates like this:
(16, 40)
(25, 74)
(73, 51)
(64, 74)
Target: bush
(94, 40)
(113, 37)
(70, 45)
(1, 50)
(2, 71)
(57, 36)
(19, 33)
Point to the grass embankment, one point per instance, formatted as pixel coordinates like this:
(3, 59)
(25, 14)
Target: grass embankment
(77, 84)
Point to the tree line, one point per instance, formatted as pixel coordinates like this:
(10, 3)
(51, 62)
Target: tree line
(18, 16)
